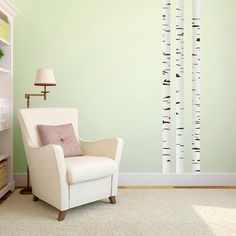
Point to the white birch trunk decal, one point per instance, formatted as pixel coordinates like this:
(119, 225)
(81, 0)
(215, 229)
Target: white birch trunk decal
(166, 121)
(179, 86)
(196, 87)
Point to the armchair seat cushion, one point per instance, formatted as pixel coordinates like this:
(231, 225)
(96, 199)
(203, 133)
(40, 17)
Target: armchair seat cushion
(85, 168)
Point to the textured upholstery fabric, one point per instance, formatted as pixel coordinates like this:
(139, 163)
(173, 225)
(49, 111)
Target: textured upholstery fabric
(49, 170)
(48, 175)
(85, 168)
(81, 193)
(111, 148)
(62, 135)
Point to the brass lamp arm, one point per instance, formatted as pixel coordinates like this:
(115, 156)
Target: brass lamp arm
(42, 94)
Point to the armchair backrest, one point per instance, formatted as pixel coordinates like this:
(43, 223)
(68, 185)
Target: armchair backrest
(30, 118)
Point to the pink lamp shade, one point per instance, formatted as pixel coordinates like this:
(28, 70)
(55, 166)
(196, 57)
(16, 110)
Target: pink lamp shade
(45, 77)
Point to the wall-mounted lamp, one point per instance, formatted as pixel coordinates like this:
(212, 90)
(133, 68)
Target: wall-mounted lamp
(45, 77)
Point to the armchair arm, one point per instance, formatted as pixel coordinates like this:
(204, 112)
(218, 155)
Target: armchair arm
(111, 148)
(49, 155)
(48, 175)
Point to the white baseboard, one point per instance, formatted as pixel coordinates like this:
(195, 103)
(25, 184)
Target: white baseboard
(20, 179)
(158, 179)
(185, 179)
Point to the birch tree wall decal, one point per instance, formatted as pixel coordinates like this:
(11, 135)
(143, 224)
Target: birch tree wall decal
(179, 86)
(166, 121)
(196, 87)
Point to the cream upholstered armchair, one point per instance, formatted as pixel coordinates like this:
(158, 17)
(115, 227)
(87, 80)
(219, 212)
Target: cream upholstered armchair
(73, 181)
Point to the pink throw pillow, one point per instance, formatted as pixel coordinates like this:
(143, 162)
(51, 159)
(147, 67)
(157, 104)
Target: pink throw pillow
(63, 135)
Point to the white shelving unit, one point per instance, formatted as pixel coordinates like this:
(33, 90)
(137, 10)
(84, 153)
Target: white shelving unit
(7, 13)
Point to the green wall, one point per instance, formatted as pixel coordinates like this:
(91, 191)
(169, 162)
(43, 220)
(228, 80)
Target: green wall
(107, 60)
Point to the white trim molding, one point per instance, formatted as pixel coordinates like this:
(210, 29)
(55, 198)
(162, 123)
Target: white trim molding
(159, 179)
(20, 179)
(185, 179)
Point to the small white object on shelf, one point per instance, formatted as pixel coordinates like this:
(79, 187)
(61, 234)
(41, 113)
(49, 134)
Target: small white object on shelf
(4, 42)
(4, 114)
(4, 71)
(3, 156)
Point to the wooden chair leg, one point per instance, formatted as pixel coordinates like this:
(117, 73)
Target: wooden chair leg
(35, 198)
(61, 215)
(112, 199)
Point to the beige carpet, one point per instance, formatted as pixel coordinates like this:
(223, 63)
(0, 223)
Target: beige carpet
(176, 212)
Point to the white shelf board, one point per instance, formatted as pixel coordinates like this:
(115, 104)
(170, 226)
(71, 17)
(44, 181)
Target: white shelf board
(9, 187)
(3, 156)
(4, 71)
(4, 42)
